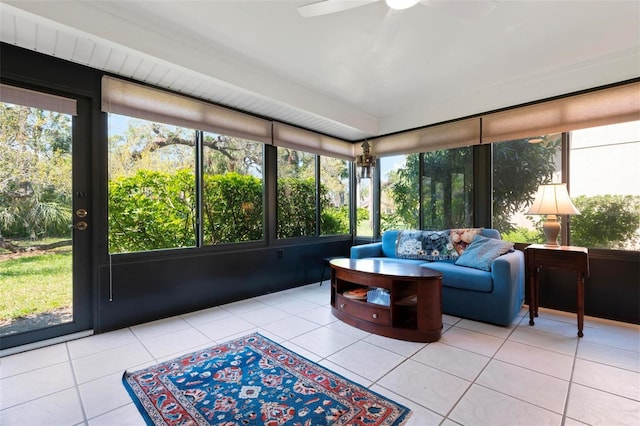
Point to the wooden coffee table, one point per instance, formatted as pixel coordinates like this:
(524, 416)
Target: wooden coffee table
(415, 309)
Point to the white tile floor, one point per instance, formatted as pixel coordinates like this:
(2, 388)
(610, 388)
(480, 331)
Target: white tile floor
(477, 374)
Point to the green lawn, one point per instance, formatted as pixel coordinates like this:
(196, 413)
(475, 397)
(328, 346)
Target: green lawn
(35, 284)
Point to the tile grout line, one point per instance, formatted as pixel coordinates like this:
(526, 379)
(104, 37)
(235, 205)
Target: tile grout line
(573, 368)
(76, 384)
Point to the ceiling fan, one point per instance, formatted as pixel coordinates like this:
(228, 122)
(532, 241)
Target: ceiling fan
(461, 9)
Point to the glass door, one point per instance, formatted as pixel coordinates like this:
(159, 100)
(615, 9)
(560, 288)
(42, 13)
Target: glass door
(45, 278)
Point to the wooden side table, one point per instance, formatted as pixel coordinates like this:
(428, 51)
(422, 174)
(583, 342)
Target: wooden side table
(560, 257)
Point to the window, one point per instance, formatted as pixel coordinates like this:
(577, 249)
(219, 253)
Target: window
(519, 166)
(446, 182)
(399, 201)
(232, 189)
(296, 198)
(220, 176)
(334, 196)
(152, 195)
(604, 186)
(302, 199)
(446, 189)
(602, 182)
(364, 207)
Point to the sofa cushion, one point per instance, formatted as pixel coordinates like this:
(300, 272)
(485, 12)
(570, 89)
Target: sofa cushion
(491, 233)
(463, 278)
(426, 245)
(482, 252)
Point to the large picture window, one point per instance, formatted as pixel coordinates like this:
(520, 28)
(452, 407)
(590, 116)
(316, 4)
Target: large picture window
(605, 186)
(519, 167)
(447, 181)
(364, 207)
(296, 215)
(232, 189)
(152, 194)
(440, 190)
(334, 196)
(399, 201)
(302, 199)
(609, 213)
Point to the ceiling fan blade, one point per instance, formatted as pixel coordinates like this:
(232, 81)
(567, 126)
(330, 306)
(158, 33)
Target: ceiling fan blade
(465, 10)
(330, 6)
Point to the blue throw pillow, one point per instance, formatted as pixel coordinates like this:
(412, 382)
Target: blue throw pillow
(482, 252)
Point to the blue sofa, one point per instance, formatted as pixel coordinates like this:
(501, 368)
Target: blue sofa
(494, 296)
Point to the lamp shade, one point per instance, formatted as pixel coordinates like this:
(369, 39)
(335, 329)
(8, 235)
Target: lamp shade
(553, 199)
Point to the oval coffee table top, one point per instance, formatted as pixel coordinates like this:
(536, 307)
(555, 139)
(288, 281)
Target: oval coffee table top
(386, 268)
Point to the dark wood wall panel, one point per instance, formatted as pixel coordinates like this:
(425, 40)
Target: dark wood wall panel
(150, 289)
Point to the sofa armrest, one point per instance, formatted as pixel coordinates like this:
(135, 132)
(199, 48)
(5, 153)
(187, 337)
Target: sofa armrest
(367, 250)
(508, 275)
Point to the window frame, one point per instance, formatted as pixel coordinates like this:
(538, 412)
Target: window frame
(317, 176)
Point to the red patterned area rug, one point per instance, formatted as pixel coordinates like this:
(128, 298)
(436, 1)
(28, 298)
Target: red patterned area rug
(254, 381)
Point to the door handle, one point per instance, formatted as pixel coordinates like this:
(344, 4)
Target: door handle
(80, 226)
(81, 213)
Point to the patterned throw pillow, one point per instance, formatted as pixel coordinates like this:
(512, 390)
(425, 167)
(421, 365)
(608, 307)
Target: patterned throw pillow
(462, 237)
(425, 245)
(482, 251)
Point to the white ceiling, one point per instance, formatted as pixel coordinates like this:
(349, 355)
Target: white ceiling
(354, 74)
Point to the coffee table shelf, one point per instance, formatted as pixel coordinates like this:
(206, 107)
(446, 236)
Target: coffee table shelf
(408, 301)
(415, 310)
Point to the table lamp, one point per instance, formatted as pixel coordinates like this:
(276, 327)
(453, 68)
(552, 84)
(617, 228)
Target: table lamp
(552, 200)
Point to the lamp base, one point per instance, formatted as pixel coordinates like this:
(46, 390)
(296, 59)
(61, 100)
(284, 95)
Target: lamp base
(551, 229)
